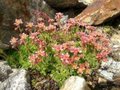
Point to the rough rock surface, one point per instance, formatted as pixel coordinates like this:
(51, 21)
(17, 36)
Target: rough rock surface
(100, 11)
(42, 6)
(13, 79)
(3, 45)
(5, 70)
(68, 3)
(86, 2)
(75, 83)
(110, 69)
(9, 11)
(115, 44)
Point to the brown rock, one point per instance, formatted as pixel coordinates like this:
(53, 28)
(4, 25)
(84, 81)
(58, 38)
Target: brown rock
(100, 11)
(9, 11)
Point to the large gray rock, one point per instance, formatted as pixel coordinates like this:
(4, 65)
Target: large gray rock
(100, 11)
(18, 80)
(75, 83)
(13, 79)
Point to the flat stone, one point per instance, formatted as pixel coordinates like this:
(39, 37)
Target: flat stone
(100, 11)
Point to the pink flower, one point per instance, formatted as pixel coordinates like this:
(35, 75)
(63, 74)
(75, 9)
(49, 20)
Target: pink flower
(81, 68)
(75, 50)
(34, 58)
(18, 22)
(41, 53)
(75, 58)
(58, 48)
(51, 28)
(40, 26)
(71, 21)
(58, 16)
(102, 55)
(40, 43)
(29, 25)
(51, 20)
(33, 35)
(74, 66)
(84, 38)
(23, 37)
(65, 58)
(14, 42)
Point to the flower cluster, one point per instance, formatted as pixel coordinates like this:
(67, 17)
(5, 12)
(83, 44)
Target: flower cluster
(64, 51)
(70, 54)
(73, 45)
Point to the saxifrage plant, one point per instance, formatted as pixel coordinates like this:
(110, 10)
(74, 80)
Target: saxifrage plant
(58, 49)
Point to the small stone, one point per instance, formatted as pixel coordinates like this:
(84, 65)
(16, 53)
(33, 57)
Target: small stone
(75, 83)
(101, 80)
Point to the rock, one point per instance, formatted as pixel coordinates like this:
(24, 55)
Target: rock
(18, 80)
(5, 70)
(110, 69)
(42, 6)
(86, 2)
(102, 80)
(13, 79)
(100, 11)
(9, 11)
(75, 83)
(107, 75)
(68, 4)
(3, 45)
(115, 44)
